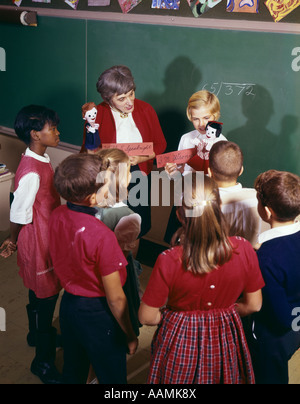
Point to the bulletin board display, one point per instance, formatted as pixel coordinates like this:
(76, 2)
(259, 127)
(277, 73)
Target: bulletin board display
(252, 10)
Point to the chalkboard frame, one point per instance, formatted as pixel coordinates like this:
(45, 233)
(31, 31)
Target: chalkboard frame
(215, 18)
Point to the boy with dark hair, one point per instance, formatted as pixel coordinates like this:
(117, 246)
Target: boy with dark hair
(276, 335)
(34, 199)
(94, 315)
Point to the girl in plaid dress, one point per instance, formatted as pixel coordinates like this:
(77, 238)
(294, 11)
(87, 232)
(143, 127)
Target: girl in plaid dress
(197, 292)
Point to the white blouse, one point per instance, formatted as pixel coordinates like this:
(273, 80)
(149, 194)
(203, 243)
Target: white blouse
(126, 129)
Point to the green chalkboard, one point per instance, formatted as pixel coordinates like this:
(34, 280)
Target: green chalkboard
(255, 75)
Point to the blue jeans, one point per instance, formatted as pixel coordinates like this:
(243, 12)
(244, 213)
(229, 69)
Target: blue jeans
(91, 335)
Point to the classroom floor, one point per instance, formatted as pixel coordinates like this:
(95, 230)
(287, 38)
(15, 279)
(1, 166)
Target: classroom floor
(16, 355)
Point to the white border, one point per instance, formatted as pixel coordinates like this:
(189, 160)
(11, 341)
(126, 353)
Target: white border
(213, 23)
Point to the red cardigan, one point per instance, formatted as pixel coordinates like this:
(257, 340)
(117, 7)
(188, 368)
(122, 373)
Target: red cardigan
(146, 121)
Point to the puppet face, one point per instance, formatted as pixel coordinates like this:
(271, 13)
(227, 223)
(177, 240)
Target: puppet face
(124, 102)
(200, 118)
(90, 116)
(211, 133)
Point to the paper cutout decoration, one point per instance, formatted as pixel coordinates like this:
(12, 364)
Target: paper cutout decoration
(98, 3)
(178, 157)
(200, 7)
(166, 4)
(127, 5)
(42, 1)
(281, 8)
(72, 3)
(17, 2)
(242, 6)
(132, 149)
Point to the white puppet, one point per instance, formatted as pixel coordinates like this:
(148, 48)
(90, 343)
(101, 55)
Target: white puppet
(200, 161)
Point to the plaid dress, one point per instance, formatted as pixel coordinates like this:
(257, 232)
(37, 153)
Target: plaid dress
(200, 347)
(200, 338)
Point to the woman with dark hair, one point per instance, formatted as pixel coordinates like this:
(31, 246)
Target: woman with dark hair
(124, 119)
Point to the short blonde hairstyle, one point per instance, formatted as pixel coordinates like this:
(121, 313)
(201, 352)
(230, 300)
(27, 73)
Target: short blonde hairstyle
(206, 99)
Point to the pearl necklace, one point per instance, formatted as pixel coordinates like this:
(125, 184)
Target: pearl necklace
(122, 114)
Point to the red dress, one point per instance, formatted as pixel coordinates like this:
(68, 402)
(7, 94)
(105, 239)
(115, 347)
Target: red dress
(36, 268)
(200, 338)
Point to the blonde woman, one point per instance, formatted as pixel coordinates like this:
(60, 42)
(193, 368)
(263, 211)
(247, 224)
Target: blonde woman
(200, 337)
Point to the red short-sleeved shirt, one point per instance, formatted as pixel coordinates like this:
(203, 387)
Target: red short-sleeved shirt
(83, 250)
(182, 290)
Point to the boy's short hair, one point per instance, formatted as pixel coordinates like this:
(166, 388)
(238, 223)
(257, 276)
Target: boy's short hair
(225, 161)
(280, 191)
(33, 117)
(78, 176)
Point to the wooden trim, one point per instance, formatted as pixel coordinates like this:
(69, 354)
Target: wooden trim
(213, 23)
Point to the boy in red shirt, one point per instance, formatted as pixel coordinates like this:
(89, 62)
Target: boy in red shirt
(94, 316)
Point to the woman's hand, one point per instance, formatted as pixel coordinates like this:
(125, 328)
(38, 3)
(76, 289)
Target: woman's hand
(134, 160)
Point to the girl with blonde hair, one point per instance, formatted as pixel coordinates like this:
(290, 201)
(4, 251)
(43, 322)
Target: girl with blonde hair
(203, 108)
(125, 223)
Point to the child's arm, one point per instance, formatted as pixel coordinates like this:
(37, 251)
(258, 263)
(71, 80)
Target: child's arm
(249, 303)
(20, 211)
(9, 245)
(118, 305)
(149, 315)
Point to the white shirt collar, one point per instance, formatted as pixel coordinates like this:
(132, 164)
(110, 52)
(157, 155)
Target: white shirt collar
(234, 188)
(118, 205)
(279, 232)
(44, 159)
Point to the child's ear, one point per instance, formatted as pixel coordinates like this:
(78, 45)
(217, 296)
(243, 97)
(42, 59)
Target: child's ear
(241, 172)
(34, 135)
(269, 212)
(209, 172)
(92, 199)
